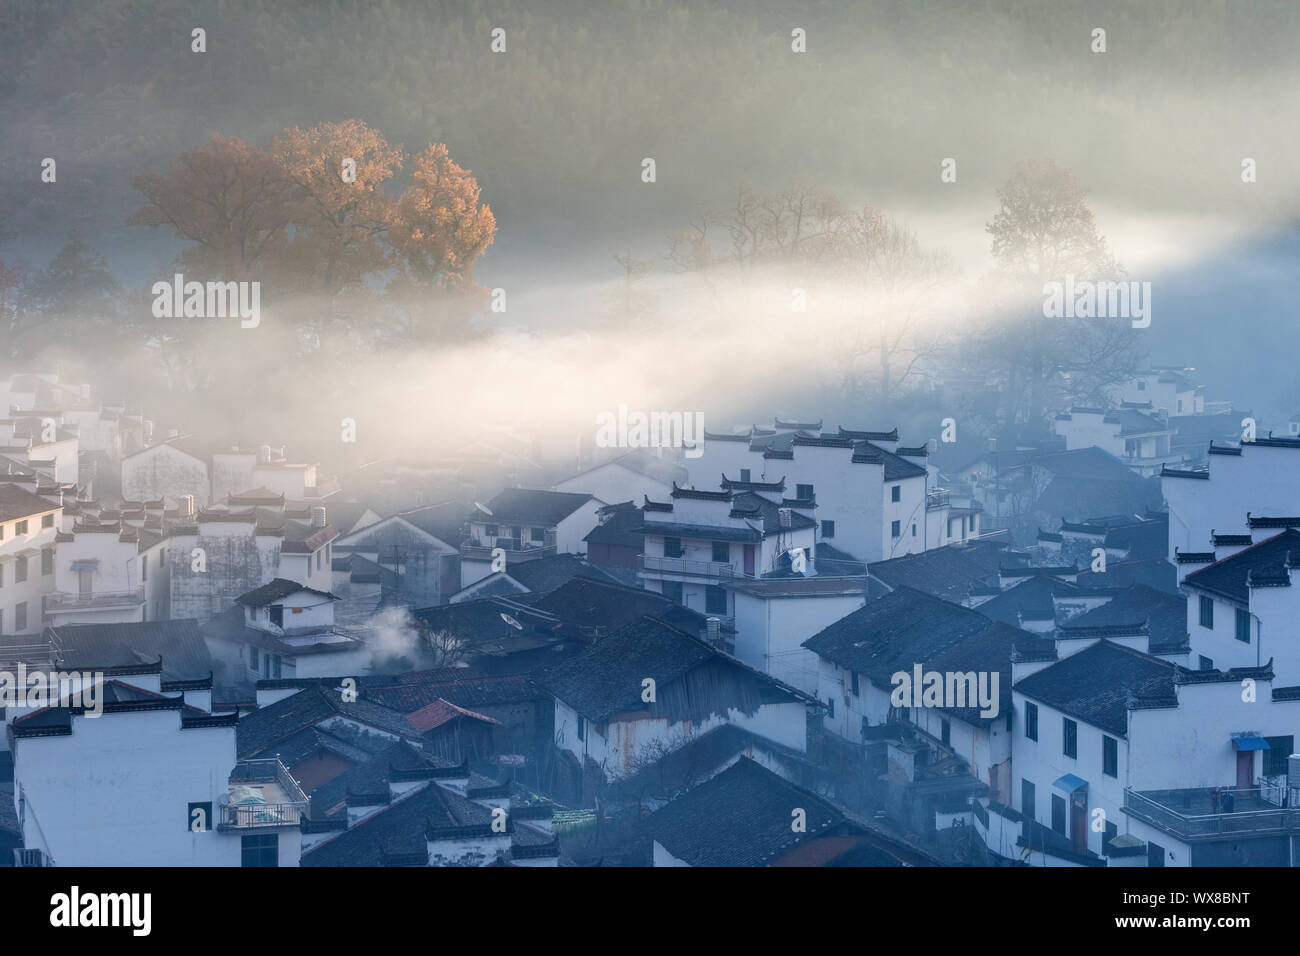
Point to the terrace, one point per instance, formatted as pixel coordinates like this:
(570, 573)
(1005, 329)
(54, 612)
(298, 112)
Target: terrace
(1189, 814)
(261, 794)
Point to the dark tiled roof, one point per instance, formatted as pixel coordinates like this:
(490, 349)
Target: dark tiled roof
(1165, 614)
(526, 506)
(1030, 600)
(443, 520)
(179, 643)
(708, 532)
(949, 572)
(542, 575)
(741, 817)
(1153, 572)
(891, 634)
(1095, 684)
(17, 503)
(276, 590)
(896, 467)
(984, 653)
(606, 678)
(619, 530)
(286, 717)
(1227, 578)
(409, 692)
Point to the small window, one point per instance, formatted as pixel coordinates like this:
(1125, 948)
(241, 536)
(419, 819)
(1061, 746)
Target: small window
(261, 849)
(853, 682)
(896, 529)
(2, 532)
(1069, 737)
(47, 562)
(20, 569)
(1243, 626)
(828, 529)
(1279, 748)
(672, 547)
(913, 529)
(47, 521)
(672, 590)
(803, 492)
(715, 599)
(1027, 799)
(1142, 386)
(895, 492)
(830, 707)
(721, 552)
(252, 658)
(277, 615)
(275, 667)
(744, 474)
(199, 817)
(1058, 813)
(945, 732)
(1031, 721)
(490, 530)
(1206, 663)
(20, 527)
(20, 616)
(537, 534)
(582, 727)
(144, 567)
(1207, 612)
(1109, 756)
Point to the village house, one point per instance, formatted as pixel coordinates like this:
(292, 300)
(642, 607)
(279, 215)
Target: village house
(521, 524)
(1131, 433)
(28, 539)
(634, 475)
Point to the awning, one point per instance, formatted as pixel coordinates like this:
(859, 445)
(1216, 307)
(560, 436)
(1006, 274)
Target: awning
(1250, 743)
(1070, 783)
(85, 564)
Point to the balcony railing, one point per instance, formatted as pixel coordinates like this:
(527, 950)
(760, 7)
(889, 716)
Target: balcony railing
(1189, 814)
(287, 812)
(516, 549)
(936, 498)
(708, 569)
(92, 600)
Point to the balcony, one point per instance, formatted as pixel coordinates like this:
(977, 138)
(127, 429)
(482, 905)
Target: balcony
(516, 549)
(261, 794)
(936, 498)
(1189, 815)
(706, 569)
(65, 602)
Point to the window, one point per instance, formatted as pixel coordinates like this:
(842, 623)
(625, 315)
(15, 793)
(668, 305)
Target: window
(1279, 748)
(1058, 813)
(744, 474)
(276, 613)
(721, 552)
(262, 849)
(715, 599)
(1109, 756)
(252, 658)
(673, 590)
(2, 532)
(1243, 626)
(275, 667)
(896, 529)
(1155, 854)
(319, 556)
(803, 492)
(199, 817)
(47, 521)
(1069, 737)
(20, 527)
(2, 575)
(1207, 612)
(895, 492)
(672, 547)
(853, 682)
(144, 568)
(913, 529)
(828, 529)
(47, 562)
(582, 727)
(1180, 404)
(490, 530)
(830, 707)
(537, 534)
(1142, 386)
(945, 732)
(1027, 799)
(20, 569)
(1206, 663)
(1031, 721)
(20, 617)
(266, 666)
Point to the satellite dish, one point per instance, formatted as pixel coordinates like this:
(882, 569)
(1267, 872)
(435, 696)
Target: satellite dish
(483, 508)
(511, 621)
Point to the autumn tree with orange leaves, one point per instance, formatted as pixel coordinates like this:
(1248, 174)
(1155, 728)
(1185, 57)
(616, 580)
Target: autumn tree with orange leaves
(315, 216)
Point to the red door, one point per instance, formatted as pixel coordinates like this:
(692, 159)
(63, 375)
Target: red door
(1079, 820)
(1245, 767)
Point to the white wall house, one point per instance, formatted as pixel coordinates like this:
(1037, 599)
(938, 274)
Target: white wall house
(1169, 389)
(523, 524)
(168, 471)
(28, 532)
(1140, 440)
(108, 572)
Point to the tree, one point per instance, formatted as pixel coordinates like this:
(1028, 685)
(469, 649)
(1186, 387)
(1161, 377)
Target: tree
(74, 301)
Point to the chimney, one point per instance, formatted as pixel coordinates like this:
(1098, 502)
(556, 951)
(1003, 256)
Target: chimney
(785, 516)
(318, 517)
(264, 454)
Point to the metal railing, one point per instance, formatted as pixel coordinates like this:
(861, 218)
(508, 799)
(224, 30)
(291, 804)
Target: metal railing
(68, 601)
(711, 569)
(284, 813)
(936, 498)
(1253, 812)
